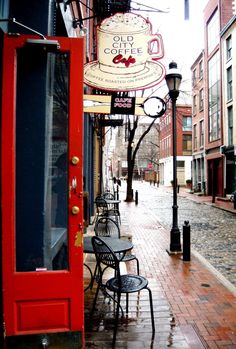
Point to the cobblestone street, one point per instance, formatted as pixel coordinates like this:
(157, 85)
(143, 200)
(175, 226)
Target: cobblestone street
(213, 231)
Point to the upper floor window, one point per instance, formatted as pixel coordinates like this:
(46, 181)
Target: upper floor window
(213, 30)
(187, 123)
(230, 125)
(200, 70)
(169, 146)
(194, 77)
(201, 101)
(195, 137)
(214, 97)
(228, 47)
(214, 69)
(201, 133)
(187, 144)
(194, 104)
(229, 84)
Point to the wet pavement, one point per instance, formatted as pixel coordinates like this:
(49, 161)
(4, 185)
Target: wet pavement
(193, 305)
(213, 230)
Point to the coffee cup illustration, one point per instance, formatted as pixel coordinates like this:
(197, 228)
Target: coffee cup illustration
(128, 55)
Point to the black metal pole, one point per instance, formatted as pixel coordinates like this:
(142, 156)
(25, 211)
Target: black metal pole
(136, 197)
(175, 244)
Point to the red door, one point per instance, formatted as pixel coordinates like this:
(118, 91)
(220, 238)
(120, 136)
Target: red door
(42, 213)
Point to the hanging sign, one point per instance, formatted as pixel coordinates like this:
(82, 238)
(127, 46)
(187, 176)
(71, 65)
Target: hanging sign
(128, 55)
(153, 106)
(122, 105)
(102, 104)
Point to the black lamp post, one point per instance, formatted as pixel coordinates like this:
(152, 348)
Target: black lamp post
(173, 80)
(119, 167)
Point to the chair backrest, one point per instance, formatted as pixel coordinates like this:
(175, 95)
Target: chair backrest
(108, 195)
(105, 255)
(101, 205)
(106, 226)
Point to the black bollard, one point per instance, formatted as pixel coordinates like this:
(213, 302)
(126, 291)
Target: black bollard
(234, 198)
(136, 197)
(186, 242)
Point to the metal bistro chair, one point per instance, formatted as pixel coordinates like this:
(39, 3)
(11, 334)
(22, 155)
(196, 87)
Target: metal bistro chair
(101, 207)
(103, 210)
(114, 210)
(119, 284)
(106, 226)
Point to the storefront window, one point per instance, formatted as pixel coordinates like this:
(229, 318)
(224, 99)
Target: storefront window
(41, 160)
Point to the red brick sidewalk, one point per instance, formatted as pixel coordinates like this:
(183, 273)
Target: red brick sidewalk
(193, 309)
(197, 298)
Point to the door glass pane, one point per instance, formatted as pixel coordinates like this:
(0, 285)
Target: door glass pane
(41, 160)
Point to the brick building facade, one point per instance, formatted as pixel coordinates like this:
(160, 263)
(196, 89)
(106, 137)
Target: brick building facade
(183, 146)
(217, 13)
(198, 140)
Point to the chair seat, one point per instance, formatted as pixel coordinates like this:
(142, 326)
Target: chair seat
(129, 284)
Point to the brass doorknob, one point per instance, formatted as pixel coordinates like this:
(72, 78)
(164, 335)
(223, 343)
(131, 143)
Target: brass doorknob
(75, 160)
(75, 210)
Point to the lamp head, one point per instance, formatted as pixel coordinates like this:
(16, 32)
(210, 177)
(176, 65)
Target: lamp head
(173, 80)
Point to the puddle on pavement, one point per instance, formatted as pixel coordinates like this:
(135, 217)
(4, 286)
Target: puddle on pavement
(133, 328)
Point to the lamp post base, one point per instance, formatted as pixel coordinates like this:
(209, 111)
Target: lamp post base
(175, 244)
(174, 253)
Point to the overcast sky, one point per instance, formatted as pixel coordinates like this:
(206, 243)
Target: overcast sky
(183, 39)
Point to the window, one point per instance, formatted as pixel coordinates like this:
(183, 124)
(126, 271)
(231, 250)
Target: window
(229, 84)
(229, 47)
(201, 133)
(201, 99)
(167, 120)
(213, 30)
(200, 70)
(230, 125)
(187, 123)
(161, 148)
(187, 144)
(214, 97)
(180, 163)
(194, 77)
(214, 125)
(195, 137)
(194, 104)
(169, 145)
